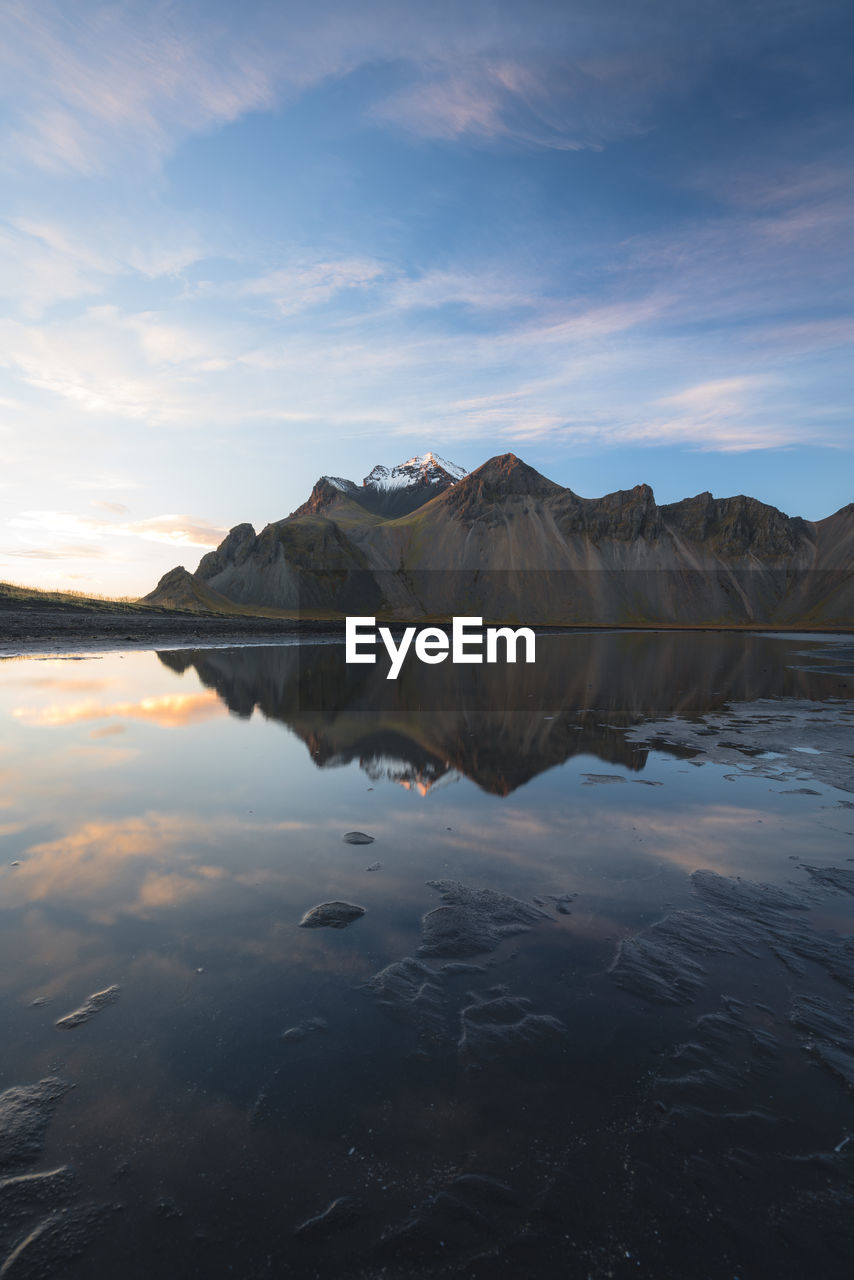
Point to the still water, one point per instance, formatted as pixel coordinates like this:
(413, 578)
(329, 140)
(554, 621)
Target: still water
(597, 1018)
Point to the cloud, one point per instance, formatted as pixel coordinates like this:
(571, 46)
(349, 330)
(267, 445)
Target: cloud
(135, 366)
(711, 399)
(540, 100)
(94, 85)
(44, 262)
(293, 289)
(168, 711)
(815, 335)
(40, 270)
(64, 684)
(178, 530)
(726, 414)
(133, 864)
(57, 551)
(108, 731)
(163, 342)
(115, 508)
(489, 289)
(102, 82)
(760, 254)
(173, 530)
(591, 371)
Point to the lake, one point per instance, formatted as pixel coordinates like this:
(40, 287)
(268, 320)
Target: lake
(596, 1017)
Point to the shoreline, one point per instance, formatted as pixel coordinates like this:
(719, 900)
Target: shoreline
(40, 631)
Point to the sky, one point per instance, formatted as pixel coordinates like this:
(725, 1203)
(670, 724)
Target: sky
(242, 246)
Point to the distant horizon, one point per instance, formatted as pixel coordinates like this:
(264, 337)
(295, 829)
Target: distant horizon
(242, 248)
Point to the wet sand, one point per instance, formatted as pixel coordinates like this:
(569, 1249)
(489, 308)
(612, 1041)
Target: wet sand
(48, 630)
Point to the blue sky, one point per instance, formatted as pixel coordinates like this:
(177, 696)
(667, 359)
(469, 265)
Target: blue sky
(244, 245)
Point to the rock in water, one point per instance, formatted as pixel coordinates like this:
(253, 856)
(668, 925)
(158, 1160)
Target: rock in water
(331, 915)
(409, 990)
(357, 837)
(90, 1007)
(491, 1029)
(24, 1114)
(473, 921)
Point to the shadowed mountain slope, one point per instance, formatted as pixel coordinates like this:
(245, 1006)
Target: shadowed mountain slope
(506, 543)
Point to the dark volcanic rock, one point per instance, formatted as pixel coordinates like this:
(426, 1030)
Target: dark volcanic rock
(734, 894)
(331, 915)
(89, 1008)
(235, 548)
(501, 477)
(473, 921)
(657, 970)
(505, 1024)
(25, 1111)
(410, 988)
(324, 493)
(664, 963)
(833, 877)
(830, 1034)
(781, 739)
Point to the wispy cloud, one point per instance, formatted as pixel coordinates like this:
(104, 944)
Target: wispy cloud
(177, 530)
(44, 263)
(41, 267)
(134, 366)
(94, 80)
(816, 335)
(539, 100)
(726, 414)
(95, 83)
(114, 508)
(57, 551)
(167, 711)
(490, 289)
(293, 289)
(174, 530)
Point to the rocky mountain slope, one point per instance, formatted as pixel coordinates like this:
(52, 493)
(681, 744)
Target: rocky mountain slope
(506, 543)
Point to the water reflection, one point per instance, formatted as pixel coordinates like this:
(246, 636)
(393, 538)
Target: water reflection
(500, 726)
(169, 711)
(474, 1106)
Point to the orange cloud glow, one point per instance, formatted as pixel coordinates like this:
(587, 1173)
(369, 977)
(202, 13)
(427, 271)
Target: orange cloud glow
(168, 711)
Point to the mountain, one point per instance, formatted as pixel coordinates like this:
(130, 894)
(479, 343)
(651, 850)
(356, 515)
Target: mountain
(508, 544)
(388, 491)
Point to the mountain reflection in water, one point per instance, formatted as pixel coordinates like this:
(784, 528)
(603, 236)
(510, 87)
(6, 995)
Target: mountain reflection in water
(499, 725)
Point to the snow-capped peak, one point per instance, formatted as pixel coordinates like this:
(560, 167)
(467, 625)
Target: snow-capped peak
(426, 468)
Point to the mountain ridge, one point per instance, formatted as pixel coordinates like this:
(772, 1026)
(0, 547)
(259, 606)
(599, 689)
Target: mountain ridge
(506, 543)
